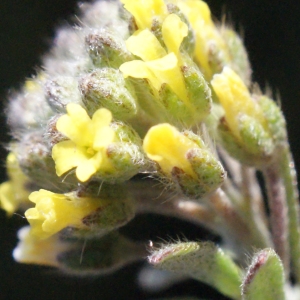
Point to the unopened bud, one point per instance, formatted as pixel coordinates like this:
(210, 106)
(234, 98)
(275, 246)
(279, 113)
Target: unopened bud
(107, 50)
(62, 90)
(107, 88)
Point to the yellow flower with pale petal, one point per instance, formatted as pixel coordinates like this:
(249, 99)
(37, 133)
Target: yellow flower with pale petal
(145, 10)
(209, 41)
(236, 100)
(33, 250)
(89, 139)
(157, 65)
(54, 212)
(13, 192)
(164, 144)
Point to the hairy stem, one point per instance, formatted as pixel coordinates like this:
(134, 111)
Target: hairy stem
(278, 212)
(290, 181)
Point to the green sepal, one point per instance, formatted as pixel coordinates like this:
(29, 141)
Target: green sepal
(255, 139)
(178, 111)
(116, 208)
(202, 261)
(265, 277)
(255, 148)
(107, 49)
(198, 91)
(107, 88)
(209, 170)
(275, 119)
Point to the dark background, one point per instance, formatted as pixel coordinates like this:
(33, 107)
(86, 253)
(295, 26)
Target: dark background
(271, 30)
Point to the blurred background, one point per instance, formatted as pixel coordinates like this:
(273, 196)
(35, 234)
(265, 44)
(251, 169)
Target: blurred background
(272, 37)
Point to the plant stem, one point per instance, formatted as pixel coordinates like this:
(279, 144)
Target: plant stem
(253, 208)
(288, 174)
(278, 212)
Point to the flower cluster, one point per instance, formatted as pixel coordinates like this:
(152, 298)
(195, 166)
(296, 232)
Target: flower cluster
(147, 108)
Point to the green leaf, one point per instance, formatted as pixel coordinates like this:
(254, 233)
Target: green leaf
(202, 261)
(265, 277)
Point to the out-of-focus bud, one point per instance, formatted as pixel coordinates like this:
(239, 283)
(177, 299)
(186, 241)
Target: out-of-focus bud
(275, 119)
(189, 164)
(244, 131)
(107, 49)
(239, 61)
(14, 193)
(265, 277)
(202, 261)
(101, 255)
(34, 156)
(107, 88)
(62, 90)
(29, 109)
(33, 250)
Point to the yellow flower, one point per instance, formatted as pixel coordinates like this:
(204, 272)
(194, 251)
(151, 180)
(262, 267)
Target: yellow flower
(157, 65)
(209, 41)
(89, 138)
(13, 192)
(145, 10)
(168, 147)
(33, 250)
(54, 212)
(236, 100)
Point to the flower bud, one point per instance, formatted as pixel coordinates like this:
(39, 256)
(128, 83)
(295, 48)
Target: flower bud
(244, 131)
(60, 91)
(193, 169)
(107, 88)
(35, 160)
(107, 49)
(29, 109)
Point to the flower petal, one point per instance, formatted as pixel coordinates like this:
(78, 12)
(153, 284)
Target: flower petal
(67, 155)
(76, 125)
(139, 69)
(145, 45)
(158, 142)
(173, 32)
(103, 134)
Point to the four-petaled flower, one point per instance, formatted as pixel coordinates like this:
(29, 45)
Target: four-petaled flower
(88, 141)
